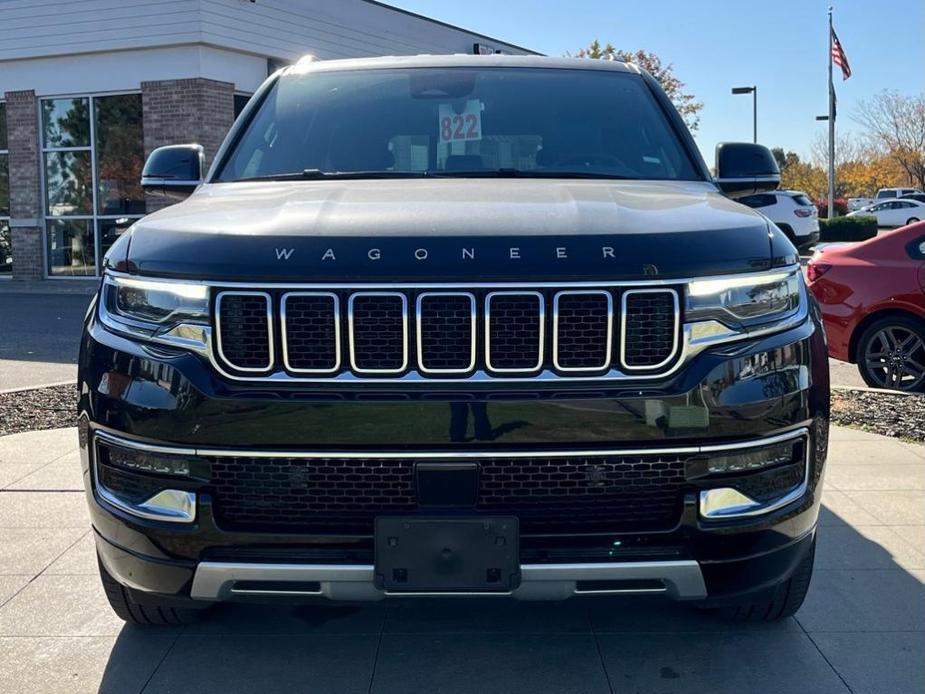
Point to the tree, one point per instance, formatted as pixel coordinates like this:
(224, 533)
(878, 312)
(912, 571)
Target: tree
(895, 125)
(687, 105)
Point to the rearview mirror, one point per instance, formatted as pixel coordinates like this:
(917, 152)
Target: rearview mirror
(743, 168)
(174, 171)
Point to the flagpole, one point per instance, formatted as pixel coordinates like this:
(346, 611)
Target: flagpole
(831, 124)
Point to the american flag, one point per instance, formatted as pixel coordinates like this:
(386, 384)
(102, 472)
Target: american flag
(839, 58)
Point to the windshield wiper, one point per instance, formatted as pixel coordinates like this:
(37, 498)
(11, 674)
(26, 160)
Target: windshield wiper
(524, 173)
(319, 175)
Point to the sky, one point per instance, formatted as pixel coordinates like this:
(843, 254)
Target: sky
(782, 47)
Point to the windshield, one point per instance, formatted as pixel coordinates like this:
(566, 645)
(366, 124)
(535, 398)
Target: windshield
(459, 122)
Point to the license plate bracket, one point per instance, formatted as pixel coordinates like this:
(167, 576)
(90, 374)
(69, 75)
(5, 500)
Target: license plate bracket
(447, 555)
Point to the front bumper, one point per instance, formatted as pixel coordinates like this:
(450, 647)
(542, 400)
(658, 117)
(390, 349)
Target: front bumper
(732, 395)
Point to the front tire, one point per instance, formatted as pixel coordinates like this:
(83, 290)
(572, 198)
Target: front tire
(891, 354)
(145, 611)
(912, 220)
(784, 601)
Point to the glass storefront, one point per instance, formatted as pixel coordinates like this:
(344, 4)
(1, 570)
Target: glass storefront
(6, 241)
(93, 154)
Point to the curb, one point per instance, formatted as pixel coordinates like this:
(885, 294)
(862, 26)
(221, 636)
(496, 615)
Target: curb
(39, 387)
(865, 389)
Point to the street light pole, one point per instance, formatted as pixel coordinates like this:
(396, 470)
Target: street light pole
(754, 92)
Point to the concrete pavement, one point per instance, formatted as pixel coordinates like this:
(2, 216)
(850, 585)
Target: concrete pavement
(862, 629)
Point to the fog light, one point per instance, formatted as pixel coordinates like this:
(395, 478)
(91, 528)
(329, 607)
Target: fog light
(753, 459)
(142, 461)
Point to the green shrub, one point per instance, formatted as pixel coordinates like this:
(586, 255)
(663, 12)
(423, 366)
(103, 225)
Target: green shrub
(859, 228)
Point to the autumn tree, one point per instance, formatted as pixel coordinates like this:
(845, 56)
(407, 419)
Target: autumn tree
(686, 103)
(895, 125)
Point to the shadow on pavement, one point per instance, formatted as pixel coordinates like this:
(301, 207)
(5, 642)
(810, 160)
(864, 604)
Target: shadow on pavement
(41, 327)
(861, 627)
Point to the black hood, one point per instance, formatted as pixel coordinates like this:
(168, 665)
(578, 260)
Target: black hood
(450, 229)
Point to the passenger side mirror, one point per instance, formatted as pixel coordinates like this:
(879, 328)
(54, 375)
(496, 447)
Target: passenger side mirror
(174, 171)
(743, 168)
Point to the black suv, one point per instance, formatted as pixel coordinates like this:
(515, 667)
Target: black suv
(453, 325)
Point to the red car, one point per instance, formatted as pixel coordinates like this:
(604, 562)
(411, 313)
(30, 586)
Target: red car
(872, 296)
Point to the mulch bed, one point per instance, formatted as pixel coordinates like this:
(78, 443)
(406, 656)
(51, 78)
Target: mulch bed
(39, 408)
(900, 416)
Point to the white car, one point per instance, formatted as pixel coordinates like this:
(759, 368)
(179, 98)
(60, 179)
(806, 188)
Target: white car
(894, 213)
(887, 193)
(792, 211)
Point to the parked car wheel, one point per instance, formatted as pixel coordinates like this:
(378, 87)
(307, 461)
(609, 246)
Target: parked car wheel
(891, 354)
(912, 220)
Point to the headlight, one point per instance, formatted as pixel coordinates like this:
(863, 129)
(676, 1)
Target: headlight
(744, 302)
(162, 311)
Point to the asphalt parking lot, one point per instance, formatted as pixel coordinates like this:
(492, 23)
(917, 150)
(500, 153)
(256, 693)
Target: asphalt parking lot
(862, 629)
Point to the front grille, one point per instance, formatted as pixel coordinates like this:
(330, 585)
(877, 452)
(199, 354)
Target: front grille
(432, 333)
(244, 335)
(548, 493)
(649, 327)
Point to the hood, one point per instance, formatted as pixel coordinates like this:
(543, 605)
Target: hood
(449, 229)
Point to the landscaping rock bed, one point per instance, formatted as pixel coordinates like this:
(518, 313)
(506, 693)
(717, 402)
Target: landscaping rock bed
(38, 408)
(890, 414)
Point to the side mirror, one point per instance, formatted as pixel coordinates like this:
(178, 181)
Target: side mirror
(174, 171)
(743, 168)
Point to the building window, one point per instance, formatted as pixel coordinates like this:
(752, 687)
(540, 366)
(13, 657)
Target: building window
(6, 240)
(93, 154)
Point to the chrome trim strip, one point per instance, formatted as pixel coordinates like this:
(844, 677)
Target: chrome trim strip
(501, 285)
(118, 440)
(218, 330)
(335, 315)
(350, 331)
(419, 332)
(710, 510)
(676, 334)
(541, 301)
(555, 330)
(682, 579)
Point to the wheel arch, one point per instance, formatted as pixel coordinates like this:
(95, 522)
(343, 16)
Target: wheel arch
(872, 318)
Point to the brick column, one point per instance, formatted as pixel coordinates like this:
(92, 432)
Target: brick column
(185, 111)
(25, 201)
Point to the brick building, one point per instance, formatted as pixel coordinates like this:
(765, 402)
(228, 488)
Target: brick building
(88, 89)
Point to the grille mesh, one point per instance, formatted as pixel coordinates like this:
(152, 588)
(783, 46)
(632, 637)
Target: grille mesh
(575, 494)
(378, 332)
(514, 331)
(649, 337)
(311, 334)
(583, 324)
(446, 332)
(245, 336)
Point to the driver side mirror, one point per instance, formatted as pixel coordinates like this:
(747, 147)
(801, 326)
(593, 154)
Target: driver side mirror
(743, 168)
(174, 171)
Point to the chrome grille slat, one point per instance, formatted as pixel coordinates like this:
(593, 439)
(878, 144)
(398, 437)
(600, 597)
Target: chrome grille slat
(512, 333)
(582, 333)
(310, 326)
(378, 332)
(333, 332)
(244, 324)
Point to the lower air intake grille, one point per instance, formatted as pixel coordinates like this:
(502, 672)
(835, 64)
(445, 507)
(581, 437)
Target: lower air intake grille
(650, 327)
(244, 335)
(548, 494)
